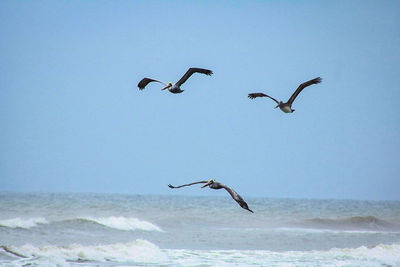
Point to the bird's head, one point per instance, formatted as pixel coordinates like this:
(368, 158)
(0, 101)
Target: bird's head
(168, 86)
(209, 182)
(280, 103)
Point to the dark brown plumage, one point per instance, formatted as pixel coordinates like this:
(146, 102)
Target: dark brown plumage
(216, 185)
(287, 107)
(174, 88)
(145, 81)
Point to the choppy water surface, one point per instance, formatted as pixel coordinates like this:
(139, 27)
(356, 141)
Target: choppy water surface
(131, 230)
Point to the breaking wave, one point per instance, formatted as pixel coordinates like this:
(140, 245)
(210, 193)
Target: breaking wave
(137, 251)
(23, 223)
(119, 223)
(123, 223)
(142, 252)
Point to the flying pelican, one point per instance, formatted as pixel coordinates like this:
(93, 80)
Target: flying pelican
(216, 185)
(174, 88)
(287, 107)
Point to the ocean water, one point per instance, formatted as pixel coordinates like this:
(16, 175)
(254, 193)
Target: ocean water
(134, 230)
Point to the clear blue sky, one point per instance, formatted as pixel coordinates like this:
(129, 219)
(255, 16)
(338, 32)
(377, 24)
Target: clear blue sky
(73, 120)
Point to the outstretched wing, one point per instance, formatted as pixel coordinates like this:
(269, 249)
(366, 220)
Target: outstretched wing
(200, 182)
(301, 87)
(145, 81)
(236, 197)
(255, 95)
(190, 72)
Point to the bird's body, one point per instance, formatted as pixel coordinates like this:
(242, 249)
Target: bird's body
(216, 185)
(174, 88)
(287, 107)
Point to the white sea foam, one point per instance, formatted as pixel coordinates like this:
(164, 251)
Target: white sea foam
(143, 252)
(138, 251)
(23, 223)
(362, 256)
(123, 223)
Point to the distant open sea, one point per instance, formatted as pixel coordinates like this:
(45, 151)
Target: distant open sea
(134, 230)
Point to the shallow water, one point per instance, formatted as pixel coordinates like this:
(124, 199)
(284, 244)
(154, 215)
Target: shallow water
(126, 230)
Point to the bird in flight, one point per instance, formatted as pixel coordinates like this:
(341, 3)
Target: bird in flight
(287, 107)
(174, 88)
(216, 185)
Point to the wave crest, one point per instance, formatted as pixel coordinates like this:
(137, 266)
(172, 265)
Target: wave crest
(142, 252)
(123, 223)
(23, 223)
(137, 251)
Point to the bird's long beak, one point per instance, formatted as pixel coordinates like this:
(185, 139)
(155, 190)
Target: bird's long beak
(167, 86)
(276, 106)
(209, 182)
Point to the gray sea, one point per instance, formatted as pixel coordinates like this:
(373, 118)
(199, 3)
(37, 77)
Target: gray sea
(133, 230)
